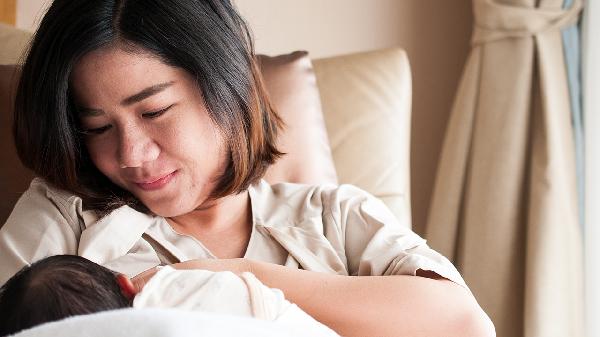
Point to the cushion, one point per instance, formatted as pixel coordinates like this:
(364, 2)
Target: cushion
(13, 42)
(292, 87)
(366, 101)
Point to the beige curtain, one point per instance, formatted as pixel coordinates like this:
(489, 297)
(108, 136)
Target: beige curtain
(504, 207)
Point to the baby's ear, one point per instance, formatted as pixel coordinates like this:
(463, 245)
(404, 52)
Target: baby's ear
(127, 287)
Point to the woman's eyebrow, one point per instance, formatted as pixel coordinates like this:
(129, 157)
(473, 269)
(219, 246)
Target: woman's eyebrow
(145, 93)
(140, 96)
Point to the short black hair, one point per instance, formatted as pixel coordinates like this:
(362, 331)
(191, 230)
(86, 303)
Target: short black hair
(206, 38)
(55, 288)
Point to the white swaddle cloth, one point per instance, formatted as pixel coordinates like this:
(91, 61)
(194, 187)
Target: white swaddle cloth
(225, 293)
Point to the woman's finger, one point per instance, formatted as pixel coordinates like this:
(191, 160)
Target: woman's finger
(140, 280)
(238, 265)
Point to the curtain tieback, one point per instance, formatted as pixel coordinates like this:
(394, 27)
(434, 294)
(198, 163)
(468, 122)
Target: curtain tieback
(495, 21)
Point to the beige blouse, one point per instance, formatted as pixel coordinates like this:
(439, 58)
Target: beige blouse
(332, 229)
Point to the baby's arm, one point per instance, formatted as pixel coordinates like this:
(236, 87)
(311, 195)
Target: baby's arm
(225, 293)
(197, 290)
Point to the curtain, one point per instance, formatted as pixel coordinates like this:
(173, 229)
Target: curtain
(504, 206)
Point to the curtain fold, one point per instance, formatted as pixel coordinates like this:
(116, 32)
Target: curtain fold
(504, 207)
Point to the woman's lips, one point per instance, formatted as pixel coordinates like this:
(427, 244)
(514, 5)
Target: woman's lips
(156, 184)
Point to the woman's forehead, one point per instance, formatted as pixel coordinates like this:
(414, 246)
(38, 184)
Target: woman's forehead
(112, 73)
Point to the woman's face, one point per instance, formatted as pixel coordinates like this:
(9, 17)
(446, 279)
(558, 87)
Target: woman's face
(147, 129)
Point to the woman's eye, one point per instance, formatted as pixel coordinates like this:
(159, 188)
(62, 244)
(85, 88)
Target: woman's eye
(96, 131)
(157, 113)
(102, 129)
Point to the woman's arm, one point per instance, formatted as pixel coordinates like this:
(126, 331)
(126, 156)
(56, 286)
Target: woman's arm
(369, 305)
(380, 305)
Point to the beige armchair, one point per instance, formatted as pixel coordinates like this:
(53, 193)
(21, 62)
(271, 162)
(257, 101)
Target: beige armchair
(347, 121)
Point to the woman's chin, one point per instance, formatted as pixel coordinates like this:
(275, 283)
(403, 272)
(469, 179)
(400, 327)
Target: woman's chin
(167, 212)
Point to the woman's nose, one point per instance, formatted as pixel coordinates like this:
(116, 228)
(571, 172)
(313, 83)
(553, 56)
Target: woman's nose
(136, 148)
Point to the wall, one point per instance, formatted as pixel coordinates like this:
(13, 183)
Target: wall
(435, 34)
(8, 11)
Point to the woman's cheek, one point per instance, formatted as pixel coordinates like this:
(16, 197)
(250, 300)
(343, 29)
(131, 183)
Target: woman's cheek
(103, 156)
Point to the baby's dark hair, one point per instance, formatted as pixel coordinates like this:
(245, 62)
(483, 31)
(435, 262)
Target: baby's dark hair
(57, 287)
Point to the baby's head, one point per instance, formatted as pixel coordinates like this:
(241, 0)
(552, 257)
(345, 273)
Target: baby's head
(57, 287)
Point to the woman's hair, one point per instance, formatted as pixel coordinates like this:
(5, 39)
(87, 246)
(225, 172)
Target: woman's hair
(55, 288)
(206, 38)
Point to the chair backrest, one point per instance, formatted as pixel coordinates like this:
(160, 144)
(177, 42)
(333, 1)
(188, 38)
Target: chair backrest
(14, 178)
(366, 99)
(366, 103)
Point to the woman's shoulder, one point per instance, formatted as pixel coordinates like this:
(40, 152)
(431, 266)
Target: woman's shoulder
(294, 195)
(298, 203)
(287, 190)
(39, 187)
(43, 198)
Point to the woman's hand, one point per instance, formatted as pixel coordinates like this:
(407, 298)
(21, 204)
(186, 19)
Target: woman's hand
(237, 266)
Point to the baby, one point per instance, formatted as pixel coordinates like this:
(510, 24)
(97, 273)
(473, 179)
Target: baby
(66, 285)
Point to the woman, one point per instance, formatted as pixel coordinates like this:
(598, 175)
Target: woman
(149, 128)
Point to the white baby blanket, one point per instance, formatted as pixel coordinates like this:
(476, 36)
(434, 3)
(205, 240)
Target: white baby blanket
(164, 323)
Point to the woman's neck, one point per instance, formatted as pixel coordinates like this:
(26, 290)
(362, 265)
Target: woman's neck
(223, 226)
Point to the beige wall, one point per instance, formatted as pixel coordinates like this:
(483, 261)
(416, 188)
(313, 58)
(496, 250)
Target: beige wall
(435, 34)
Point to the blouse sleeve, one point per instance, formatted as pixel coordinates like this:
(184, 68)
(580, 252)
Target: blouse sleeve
(376, 243)
(44, 222)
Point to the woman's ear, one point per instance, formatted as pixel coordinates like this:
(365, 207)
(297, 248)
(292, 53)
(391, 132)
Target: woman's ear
(127, 287)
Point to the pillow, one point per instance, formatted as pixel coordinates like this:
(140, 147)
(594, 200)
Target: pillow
(292, 87)
(14, 42)
(367, 107)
